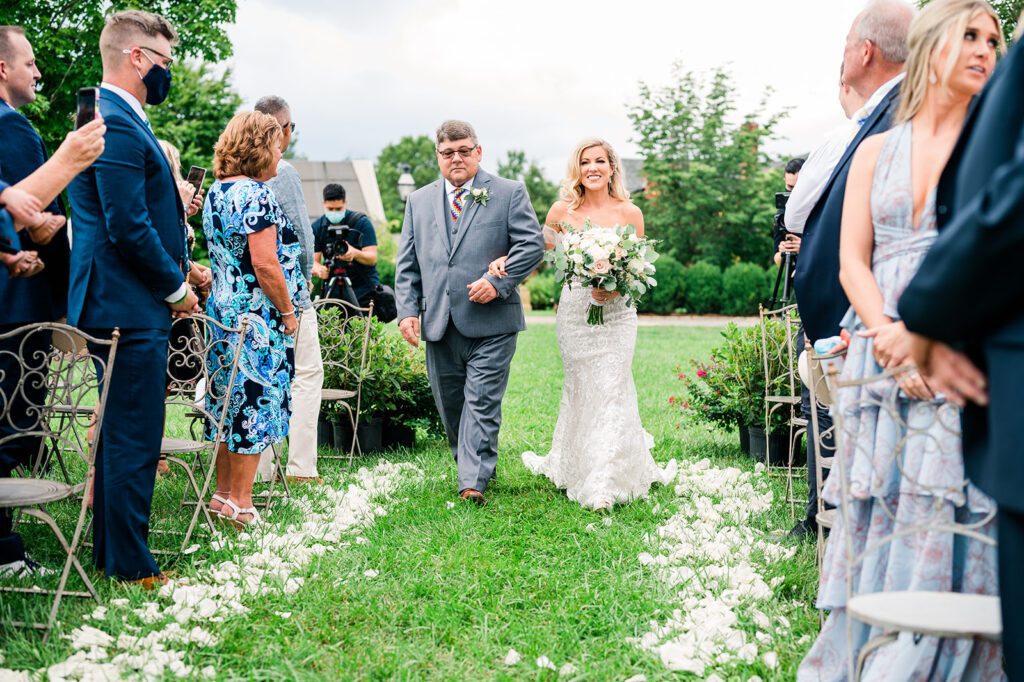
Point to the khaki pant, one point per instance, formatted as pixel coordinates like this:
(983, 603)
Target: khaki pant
(309, 381)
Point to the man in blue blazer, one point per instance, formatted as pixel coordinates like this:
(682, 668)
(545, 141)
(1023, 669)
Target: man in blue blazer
(876, 49)
(127, 274)
(969, 294)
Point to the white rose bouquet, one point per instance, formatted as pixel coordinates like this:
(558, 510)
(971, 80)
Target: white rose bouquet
(613, 259)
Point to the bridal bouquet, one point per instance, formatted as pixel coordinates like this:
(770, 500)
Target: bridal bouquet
(613, 259)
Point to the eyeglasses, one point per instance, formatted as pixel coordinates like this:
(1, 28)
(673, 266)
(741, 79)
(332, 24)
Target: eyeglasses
(291, 125)
(464, 152)
(167, 65)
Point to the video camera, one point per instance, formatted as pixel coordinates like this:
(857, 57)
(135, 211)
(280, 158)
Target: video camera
(340, 238)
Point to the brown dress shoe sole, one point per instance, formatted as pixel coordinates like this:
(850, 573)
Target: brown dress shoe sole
(473, 496)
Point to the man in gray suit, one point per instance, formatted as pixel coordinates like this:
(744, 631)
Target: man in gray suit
(453, 229)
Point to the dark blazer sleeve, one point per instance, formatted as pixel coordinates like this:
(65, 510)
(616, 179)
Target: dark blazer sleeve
(121, 185)
(985, 239)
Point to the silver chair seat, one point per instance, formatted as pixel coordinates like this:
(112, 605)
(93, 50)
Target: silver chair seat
(177, 446)
(827, 518)
(936, 614)
(22, 492)
(336, 394)
(784, 399)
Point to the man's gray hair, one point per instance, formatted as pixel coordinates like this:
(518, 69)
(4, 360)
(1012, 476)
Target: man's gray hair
(272, 104)
(886, 24)
(6, 45)
(451, 131)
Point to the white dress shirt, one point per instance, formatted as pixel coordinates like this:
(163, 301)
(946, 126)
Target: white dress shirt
(136, 106)
(818, 168)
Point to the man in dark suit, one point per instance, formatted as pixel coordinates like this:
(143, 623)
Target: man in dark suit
(43, 297)
(876, 49)
(126, 273)
(969, 294)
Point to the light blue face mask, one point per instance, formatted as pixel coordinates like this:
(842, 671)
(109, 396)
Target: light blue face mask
(335, 217)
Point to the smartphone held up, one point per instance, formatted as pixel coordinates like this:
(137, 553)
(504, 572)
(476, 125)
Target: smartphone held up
(88, 106)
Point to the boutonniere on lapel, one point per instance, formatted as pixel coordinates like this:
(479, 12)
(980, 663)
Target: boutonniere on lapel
(480, 195)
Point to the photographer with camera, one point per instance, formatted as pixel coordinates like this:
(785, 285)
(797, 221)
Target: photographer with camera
(787, 244)
(345, 245)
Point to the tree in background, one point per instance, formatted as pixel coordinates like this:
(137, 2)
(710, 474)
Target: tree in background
(543, 193)
(1009, 12)
(710, 184)
(419, 153)
(66, 36)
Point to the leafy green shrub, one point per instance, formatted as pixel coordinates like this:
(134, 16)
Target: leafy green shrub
(386, 271)
(544, 290)
(668, 295)
(743, 288)
(703, 282)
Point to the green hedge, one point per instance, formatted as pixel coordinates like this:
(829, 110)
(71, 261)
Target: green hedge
(544, 290)
(703, 288)
(743, 288)
(669, 294)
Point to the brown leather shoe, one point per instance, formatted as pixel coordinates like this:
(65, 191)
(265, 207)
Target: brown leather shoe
(313, 480)
(474, 496)
(153, 582)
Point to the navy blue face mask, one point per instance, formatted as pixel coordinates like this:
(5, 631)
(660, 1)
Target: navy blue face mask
(157, 81)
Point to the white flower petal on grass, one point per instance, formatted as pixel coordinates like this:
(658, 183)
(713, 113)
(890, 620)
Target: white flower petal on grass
(567, 670)
(450, 504)
(191, 549)
(513, 657)
(607, 520)
(208, 671)
(371, 573)
(771, 659)
(545, 662)
(283, 614)
(637, 678)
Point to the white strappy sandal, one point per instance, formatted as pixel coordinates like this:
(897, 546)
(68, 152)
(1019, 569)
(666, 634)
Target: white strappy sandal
(236, 511)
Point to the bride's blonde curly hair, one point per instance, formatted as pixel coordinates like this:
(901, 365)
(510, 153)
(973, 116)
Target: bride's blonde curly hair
(572, 190)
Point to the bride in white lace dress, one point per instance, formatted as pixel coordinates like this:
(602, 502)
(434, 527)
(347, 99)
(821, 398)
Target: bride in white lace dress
(600, 453)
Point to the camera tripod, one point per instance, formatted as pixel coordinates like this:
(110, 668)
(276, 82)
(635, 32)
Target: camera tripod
(783, 279)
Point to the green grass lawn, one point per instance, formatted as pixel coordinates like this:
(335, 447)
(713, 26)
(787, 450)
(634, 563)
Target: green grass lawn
(458, 587)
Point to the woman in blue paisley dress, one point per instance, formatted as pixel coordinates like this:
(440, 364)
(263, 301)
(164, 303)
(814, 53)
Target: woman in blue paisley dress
(254, 252)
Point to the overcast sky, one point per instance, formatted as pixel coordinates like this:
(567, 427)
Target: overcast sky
(537, 75)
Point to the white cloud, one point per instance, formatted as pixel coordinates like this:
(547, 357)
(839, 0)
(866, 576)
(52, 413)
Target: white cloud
(535, 74)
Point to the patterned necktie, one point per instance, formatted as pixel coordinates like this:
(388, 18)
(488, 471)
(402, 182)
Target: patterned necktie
(457, 203)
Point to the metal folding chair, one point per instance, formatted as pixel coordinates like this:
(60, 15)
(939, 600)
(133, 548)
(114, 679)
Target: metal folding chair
(779, 330)
(204, 367)
(344, 347)
(72, 383)
(949, 615)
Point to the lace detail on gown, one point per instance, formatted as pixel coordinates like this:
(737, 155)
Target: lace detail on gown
(600, 453)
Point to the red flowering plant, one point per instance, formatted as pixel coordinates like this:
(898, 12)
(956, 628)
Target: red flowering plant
(729, 389)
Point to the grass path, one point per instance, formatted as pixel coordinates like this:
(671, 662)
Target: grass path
(454, 588)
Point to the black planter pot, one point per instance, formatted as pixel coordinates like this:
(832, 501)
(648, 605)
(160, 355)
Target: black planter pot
(369, 433)
(779, 444)
(324, 433)
(744, 438)
(398, 436)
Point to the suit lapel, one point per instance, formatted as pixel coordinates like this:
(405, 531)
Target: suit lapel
(481, 181)
(440, 206)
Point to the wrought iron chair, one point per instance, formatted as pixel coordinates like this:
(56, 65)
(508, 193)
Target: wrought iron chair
(779, 330)
(202, 367)
(71, 382)
(344, 347)
(891, 464)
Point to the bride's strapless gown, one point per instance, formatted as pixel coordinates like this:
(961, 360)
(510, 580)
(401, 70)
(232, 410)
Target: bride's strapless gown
(600, 453)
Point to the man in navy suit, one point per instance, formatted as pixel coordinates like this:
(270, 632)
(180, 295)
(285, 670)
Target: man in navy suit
(126, 273)
(969, 294)
(42, 298)
(876, 49)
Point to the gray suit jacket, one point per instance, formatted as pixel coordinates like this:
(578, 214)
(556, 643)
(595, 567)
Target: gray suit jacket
(432, 276)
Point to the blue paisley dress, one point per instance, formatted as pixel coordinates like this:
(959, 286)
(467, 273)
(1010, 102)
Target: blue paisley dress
(259, 405)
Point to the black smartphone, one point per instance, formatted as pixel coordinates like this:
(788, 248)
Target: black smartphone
(196, 175)
(88, 101)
